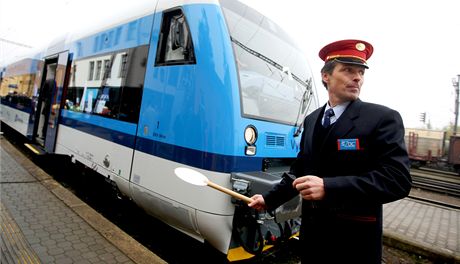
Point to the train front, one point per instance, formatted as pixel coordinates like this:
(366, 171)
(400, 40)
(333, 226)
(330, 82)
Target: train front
(276, 93)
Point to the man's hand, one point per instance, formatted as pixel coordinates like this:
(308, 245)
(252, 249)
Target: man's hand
(258, 202)
(310, 187)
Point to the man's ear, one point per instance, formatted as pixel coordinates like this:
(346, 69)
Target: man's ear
(325, 77)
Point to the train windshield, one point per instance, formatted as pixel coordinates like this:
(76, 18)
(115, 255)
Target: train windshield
(275, 80)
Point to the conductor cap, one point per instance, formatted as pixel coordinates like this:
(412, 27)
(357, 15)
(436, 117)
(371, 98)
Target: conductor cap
(348, 51)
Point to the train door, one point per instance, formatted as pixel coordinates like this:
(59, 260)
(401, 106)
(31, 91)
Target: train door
(49, 102)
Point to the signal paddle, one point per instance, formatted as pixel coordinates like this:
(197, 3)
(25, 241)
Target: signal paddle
(196, 178)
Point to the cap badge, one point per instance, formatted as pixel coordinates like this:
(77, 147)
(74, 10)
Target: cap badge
(360, 46)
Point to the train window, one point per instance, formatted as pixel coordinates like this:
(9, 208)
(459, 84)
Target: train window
(112, 97)
(131, 96)
(175, 44)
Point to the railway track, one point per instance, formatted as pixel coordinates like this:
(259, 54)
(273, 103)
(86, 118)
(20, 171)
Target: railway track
(437, 181)
(435, 201)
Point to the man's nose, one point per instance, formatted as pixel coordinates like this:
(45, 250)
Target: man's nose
(357, 76)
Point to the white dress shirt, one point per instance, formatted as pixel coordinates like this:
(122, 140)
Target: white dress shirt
(338, 111)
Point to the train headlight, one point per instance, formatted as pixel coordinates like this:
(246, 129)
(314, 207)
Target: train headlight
(250, 135)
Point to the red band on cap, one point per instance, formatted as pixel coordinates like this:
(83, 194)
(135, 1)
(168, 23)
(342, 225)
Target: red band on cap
(349, 48)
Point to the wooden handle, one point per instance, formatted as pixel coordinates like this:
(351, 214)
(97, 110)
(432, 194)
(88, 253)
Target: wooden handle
(229, 192)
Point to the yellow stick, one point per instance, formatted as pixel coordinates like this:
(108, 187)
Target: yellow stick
(229, 192)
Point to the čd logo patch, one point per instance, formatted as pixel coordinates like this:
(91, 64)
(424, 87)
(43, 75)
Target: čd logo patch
(348, 144)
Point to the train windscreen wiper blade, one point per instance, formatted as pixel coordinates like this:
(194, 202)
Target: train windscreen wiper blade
(271, 62)
(306, 97)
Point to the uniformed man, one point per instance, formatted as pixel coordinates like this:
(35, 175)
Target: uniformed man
(352, 160)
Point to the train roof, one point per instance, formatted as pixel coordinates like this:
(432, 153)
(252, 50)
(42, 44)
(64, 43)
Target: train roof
(113, 16)
(116, 15)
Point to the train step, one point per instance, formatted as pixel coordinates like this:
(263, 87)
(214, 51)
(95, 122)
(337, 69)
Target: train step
(36, 149)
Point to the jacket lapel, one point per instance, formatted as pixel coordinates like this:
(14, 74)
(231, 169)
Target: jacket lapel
(311, 128)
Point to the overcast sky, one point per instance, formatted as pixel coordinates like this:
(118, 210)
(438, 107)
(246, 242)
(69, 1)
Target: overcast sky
(416, 43)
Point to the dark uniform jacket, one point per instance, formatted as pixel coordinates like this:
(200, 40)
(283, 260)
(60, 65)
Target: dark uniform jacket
(363, 161)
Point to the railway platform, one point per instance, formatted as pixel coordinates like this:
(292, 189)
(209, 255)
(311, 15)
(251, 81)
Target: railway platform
(423, 228)
(43, 222)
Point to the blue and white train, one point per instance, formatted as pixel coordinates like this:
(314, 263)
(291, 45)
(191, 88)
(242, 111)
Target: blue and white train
(211, 85)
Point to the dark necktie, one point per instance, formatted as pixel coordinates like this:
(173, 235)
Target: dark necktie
(327, 117)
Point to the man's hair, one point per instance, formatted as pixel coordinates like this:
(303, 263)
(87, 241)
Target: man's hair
(328, 68)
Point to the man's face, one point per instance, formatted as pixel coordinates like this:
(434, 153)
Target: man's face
(344, 84)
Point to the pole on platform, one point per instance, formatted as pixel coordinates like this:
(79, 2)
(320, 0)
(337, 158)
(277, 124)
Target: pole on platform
(455, 82)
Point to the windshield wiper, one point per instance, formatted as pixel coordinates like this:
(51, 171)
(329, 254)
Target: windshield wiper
(306, 97)
(271, 62)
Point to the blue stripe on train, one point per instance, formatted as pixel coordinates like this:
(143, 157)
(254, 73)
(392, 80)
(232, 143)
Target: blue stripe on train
(17, 106)
(117, 137)
(197, 158)
(186, 156)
